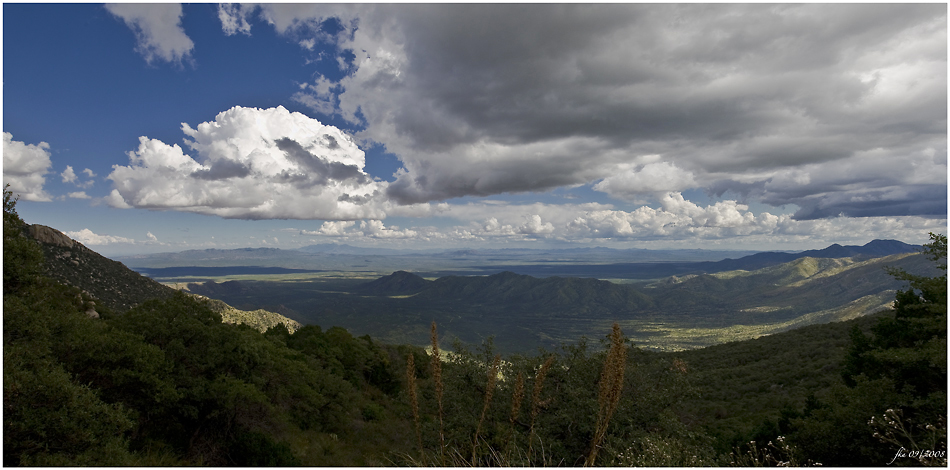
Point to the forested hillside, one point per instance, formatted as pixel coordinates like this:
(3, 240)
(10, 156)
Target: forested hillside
(166, 382)
(116, 287)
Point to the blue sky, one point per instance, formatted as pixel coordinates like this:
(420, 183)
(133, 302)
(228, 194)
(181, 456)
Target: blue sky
(142, 128)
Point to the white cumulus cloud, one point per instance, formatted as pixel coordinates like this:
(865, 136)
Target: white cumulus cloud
(331, 228)
(25, 167)
(676, 218)
(254, 164)
(534, 226)
(376, 229)
(631, 180)
(87, 237)
(69, 176)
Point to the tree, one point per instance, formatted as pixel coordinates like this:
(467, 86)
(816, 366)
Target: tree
(895, 380)
(910, 346)
(22, 257)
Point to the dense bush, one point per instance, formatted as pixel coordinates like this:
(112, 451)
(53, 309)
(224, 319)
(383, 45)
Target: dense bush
(167, 382)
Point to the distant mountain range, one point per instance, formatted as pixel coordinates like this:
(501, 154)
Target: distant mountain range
(521, 310)
(525, 312)
(592, 262)
(827, 282)
(343, 249)
(873, 249)
(657, 270)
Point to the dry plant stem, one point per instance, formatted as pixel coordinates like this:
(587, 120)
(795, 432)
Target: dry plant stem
(611, 387)
(437, 373)
(489, 391)
(536, 399)
(413, 399)
(516, 398)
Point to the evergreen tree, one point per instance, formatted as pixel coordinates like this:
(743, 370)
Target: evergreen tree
(894, 396)
(909, 347)
(22, 257)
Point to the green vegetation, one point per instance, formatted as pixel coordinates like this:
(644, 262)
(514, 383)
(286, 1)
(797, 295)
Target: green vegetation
(895, 380)
(167, 383)
(845, 394)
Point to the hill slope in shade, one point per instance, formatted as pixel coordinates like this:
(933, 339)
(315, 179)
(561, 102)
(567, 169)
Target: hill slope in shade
(803, 284)
(110, 282)
(806, 284)
(397, 283)
(119, 288)
(552, 295)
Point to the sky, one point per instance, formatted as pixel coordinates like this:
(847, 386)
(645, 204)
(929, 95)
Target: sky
(138, 128)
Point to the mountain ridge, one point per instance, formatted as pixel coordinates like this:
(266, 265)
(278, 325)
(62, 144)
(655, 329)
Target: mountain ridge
(119, 288)
(518, 309)
(874, 248)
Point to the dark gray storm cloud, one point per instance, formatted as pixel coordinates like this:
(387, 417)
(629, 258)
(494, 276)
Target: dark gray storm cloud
(791, 100)
(926, 200)
(626, 73)
(320, 170)
(223, 169)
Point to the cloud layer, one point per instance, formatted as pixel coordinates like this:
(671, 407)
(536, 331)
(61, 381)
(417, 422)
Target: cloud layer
(639, 99)
(727, 223)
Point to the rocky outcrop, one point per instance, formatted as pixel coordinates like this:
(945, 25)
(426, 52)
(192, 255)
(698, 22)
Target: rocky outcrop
(112, 284)
(259, 319)
(50, 236)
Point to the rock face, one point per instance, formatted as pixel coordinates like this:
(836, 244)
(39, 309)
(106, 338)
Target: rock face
(50, 236)
(116, 287)
(113, 284)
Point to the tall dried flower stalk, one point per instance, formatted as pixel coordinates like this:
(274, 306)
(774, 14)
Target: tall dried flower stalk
(489, 391)
(516, 398)
(611, 387)
(437, 373)
(536, 399)
(413, 399)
